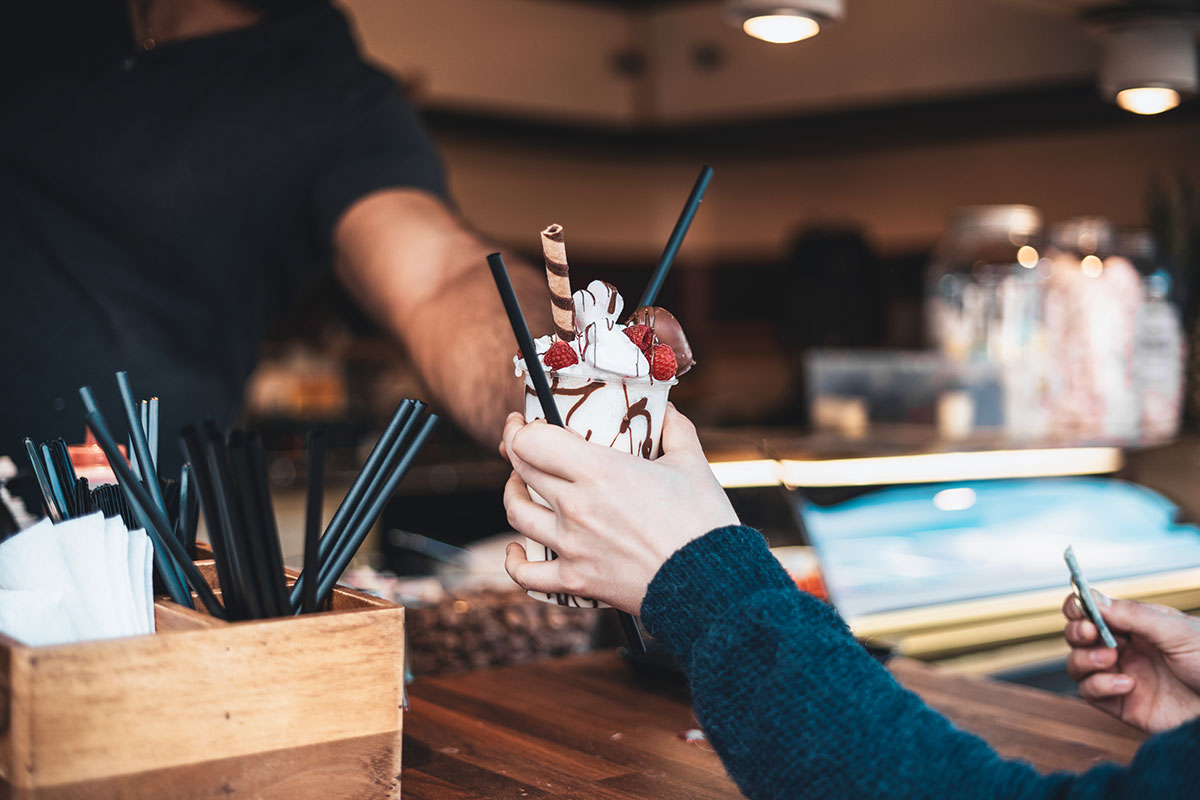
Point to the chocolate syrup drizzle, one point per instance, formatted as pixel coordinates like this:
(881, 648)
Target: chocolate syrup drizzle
(632, 412)
(583, 392)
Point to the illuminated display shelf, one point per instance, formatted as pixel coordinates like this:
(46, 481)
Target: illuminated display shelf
(882, 470)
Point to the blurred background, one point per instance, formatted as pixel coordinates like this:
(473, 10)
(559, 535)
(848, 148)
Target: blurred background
(957, 232)
(841, 161)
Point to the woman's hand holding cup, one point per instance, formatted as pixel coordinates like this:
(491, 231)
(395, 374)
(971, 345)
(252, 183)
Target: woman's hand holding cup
(613, 518)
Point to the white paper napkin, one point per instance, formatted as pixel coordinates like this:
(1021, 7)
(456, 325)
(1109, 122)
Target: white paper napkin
(35, 618)
(85, 550)
(116, 541)
(84, 578)
(141, 577)
(31, 560)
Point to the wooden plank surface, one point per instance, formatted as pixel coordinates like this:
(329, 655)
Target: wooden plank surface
(588, 727)
(123, 706)
(303, 707)
(1049, 731)
(361, 767)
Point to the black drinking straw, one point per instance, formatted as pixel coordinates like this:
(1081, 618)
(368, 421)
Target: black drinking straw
(66, 474)
(228, 575)
(143, 407)
(341, 539)
(549, 408)
(136, 416)
(152, 431)
(43, 481)
(138, 436)
(276, 586)
(258, 461)
(354, 538)
(353, 497)
(243, 504)
(181, 518)
(396, 452)
(176, 588)
(86, 501)
(520, 328)
(189, 509)
(168, 553)
(157, 527)
(398, 428)
(56, 486)
(312, 515)
(680, 231)
(229, 514)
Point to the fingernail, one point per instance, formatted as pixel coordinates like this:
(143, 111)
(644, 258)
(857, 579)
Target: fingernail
(1102, 599)
(1122, 682)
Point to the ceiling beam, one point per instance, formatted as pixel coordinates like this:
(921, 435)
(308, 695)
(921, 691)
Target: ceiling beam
(1041, 110)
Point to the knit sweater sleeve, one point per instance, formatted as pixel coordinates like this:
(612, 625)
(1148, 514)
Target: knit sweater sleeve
(796, 708)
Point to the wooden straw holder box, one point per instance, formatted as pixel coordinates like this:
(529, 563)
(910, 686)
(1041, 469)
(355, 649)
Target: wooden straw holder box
(299, 707)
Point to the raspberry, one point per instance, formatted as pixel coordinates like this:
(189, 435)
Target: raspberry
(642, 336)
(561, 355)
(662, 362)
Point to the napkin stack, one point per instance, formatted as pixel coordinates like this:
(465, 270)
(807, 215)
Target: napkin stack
(84, 578)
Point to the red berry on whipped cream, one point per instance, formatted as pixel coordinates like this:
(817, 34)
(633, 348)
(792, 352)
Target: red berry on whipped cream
(561, 355)
(642, 336)
(662, 362)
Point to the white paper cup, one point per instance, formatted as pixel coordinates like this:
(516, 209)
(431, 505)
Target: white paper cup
(622, 413)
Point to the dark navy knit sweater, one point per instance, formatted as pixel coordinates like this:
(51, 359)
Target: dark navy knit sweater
(797, 709)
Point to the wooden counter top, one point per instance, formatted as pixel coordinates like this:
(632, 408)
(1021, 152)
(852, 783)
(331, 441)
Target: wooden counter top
(588, 727)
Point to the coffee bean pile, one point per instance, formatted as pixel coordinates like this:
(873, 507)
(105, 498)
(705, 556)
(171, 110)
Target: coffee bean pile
(493, 628)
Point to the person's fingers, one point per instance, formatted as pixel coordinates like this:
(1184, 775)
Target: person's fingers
(540, 576)
(1164, 628)
(527, 516)
(1104, 685)
(1072, 609)
(1083, 662)
(679, 434)
(1080, 633)
(513, 420)
(552, 450)
(549, 487)
(512, 423)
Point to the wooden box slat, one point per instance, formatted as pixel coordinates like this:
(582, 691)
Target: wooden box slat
(300, 707)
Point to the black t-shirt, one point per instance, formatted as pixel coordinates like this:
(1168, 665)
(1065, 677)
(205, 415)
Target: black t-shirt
(158, 209)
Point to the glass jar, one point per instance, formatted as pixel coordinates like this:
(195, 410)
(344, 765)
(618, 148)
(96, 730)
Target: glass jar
(1093, 298)
(984, 303)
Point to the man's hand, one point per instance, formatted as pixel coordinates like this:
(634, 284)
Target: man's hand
(614, 518)
(1152, 679)
(418, 271)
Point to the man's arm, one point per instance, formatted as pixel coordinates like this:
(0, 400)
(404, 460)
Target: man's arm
(418, 271)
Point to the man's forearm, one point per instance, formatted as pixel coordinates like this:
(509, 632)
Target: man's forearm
(463, 346)
(419, 271)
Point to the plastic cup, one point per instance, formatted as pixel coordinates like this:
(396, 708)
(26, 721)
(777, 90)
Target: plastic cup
(622, 413)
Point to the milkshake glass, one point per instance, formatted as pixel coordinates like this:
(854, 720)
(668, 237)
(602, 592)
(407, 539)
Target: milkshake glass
(624, 413)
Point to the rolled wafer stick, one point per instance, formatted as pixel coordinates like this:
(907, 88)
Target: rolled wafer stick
(558, 276)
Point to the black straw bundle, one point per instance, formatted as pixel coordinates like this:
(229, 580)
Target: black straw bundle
(66, 496)
(226, 477)
(172, 562)
(228, 473)
(385, 467)
(231, 476)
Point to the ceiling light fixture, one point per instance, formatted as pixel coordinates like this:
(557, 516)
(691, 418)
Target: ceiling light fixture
(1148, 62)
(783, 21)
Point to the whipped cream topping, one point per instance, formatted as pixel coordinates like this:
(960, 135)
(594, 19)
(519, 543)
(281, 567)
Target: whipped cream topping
(603, 349)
